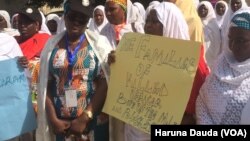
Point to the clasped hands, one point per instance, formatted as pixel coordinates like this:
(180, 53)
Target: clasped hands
(68, 128)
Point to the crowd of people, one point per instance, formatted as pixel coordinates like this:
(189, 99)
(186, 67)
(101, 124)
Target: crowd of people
(67, 61)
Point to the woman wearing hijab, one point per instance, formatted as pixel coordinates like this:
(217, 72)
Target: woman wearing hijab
(163, 20)
(121, 16)
(4, 19)
(52, 22)
(5, 26)
(234, 5)
(72, 79)
(225, 93)
(151, 5)
(211, 31)
(220, 9)
(99, 19)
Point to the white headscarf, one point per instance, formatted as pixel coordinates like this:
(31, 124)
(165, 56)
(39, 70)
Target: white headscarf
(225, 92)
(141, 9)
(225, 25)
(10, 31)
(151, 5)
(210, 15)
(173, 21)
(212, 34)
(133, 18)
(9, 48)
(44, 28)
(54, 17)
(219, 18)
(6, 16)
(92, 24)
(174, 24)
(131, 10)
(12, 19)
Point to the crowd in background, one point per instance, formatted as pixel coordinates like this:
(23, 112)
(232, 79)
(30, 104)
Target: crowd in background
(71, 54)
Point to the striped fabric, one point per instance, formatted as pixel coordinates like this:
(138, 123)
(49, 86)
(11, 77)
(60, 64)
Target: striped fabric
(241, 20)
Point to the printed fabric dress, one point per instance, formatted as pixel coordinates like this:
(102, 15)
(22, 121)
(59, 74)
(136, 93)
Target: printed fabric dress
(34, 66)
(75, 78)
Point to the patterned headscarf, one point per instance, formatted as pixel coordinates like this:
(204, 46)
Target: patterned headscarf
(241, 20)
(122, 3)
(6, 17)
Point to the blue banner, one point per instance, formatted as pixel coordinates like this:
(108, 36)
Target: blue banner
(16, 112)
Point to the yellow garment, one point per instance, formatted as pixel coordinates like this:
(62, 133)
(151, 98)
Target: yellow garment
(122, 3)
(193, 20)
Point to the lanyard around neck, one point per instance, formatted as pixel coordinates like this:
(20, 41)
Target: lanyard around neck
(71, 56)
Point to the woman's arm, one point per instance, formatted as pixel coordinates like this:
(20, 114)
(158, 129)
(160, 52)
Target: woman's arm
(95, 106)
(59, 126)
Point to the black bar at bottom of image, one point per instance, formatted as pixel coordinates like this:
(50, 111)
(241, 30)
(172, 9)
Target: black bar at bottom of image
(218, 132)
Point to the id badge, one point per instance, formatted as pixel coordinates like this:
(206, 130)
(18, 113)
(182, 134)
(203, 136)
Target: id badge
(71, 98)
(59, 61)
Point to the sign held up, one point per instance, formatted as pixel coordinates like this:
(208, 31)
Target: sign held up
(16, 111)
(151, 80)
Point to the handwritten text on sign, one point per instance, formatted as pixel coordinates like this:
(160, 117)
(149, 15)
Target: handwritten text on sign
(16, 112)
(12, 80)
(151, 80)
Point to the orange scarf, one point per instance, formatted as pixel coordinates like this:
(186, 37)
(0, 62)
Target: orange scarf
(118, 29)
